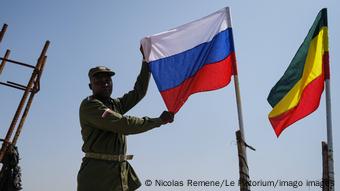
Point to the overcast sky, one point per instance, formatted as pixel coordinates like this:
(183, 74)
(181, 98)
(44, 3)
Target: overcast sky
(200, 144)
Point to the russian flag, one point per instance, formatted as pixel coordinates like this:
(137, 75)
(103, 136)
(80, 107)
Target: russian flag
(195, 57)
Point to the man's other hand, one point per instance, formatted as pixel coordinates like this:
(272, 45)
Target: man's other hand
(167, 117)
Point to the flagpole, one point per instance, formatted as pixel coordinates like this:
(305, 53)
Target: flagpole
(329, 135)
(241, 143)
(239, 105)
(326, 68)
(237, 89)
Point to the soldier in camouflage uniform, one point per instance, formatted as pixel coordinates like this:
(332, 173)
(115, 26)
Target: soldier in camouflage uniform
(104, 128)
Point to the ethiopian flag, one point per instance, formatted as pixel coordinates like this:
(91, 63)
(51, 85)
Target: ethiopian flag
(298, 92)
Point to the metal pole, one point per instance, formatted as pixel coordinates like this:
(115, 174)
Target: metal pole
(12, 86)
(329, 136)
(237, 87)
(16, 62)
(239, 106)
(326, 70)
(243, 162)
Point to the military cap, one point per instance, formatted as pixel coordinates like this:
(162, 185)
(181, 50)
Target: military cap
(100, 69)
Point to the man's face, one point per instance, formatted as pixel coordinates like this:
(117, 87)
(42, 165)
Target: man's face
(101, 85)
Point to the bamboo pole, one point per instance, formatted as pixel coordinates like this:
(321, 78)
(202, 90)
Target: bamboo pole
(3, 62)
(325, 173)
(29, 102)
(243, 166)
(23, 101)
(2, 32)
